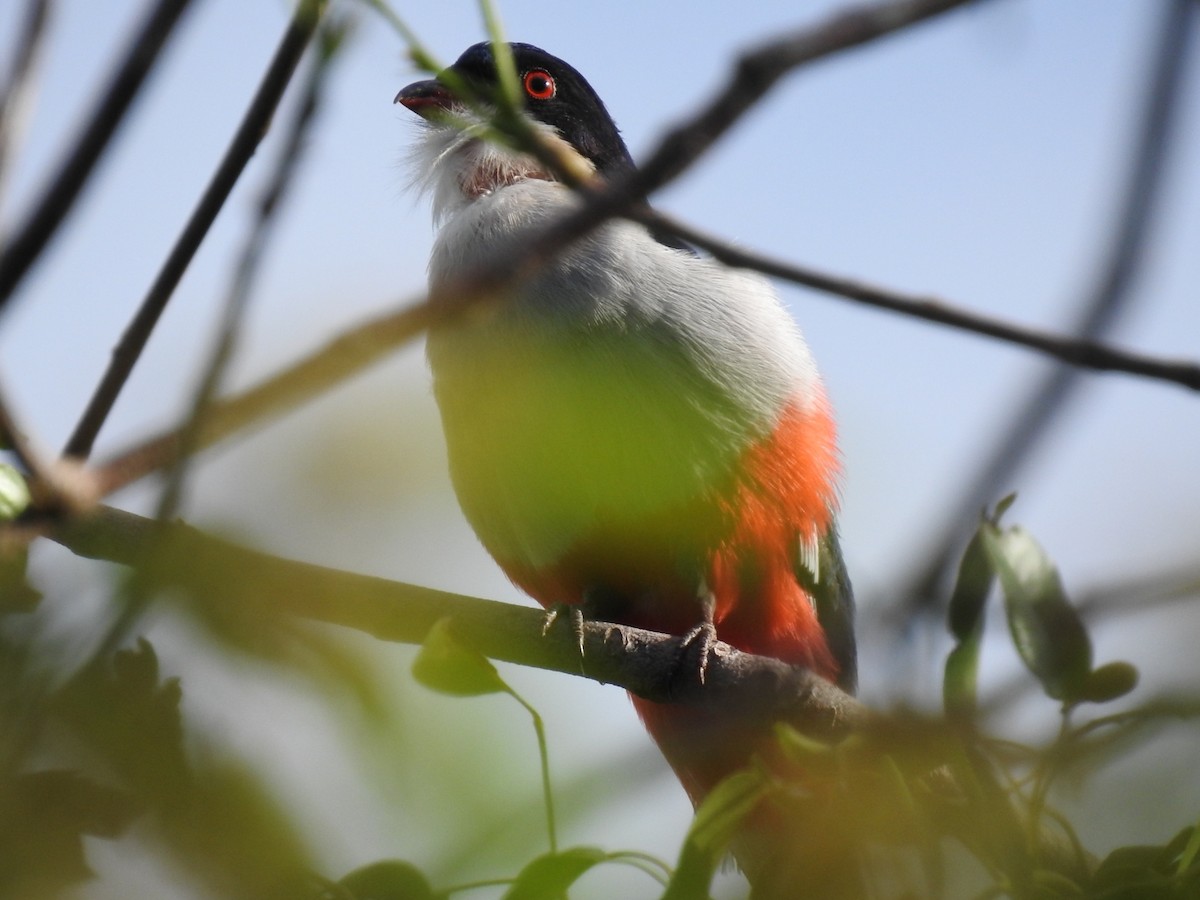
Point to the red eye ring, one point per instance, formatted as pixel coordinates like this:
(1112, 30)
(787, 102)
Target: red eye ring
(539, 84)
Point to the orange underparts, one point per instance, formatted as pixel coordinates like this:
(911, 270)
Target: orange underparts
(743, 540)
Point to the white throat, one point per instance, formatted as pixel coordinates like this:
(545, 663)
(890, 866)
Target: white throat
(457, 165)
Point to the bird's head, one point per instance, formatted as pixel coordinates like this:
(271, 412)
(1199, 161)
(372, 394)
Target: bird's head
(458, 165)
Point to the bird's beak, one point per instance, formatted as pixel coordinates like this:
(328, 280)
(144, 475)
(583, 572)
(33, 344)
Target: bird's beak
(426, 98)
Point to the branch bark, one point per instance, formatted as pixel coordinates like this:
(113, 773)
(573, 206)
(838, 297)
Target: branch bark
(173, 555)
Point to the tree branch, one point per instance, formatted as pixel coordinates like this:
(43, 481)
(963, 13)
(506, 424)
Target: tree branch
(1031, 421)
(755, 74)
(1081, 353)
(19, 83)
(39, 226)
(644, 662)
(245, 141)
(249, 260)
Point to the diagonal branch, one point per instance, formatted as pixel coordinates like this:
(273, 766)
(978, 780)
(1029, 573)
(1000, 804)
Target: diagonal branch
(337, 361)
(755, 74)
(246, 268)
(1031, 421)
(245, 141)
(643, 662)
(19, 84)
(31, 238)
(1077, 352)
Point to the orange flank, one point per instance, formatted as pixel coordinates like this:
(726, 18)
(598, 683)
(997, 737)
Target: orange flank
(743, 539)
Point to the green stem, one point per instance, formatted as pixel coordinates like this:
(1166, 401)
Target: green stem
(544, 755)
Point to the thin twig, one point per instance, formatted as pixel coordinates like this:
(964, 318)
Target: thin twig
(18, 86)
(39, 226)
(755, 73)
(338, 360)
(249, 261)
(245, 141)
(1142, 593)
(1030, 424)
(53, 484)
(365, 344)
(1079, 353)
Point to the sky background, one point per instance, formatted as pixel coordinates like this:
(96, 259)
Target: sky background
(979, 158)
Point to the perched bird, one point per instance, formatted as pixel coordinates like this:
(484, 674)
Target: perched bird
(635, 429)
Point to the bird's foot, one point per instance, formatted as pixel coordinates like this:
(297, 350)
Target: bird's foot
(571, 613)
(702, 637)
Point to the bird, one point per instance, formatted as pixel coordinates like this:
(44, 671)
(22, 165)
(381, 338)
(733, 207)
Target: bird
(637, 430)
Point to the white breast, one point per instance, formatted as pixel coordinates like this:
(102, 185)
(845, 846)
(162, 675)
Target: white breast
(619, 384)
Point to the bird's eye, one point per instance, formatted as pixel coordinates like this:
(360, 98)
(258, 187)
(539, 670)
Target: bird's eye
(539, 84)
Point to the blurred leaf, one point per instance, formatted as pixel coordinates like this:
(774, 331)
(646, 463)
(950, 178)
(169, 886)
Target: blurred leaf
(232, 593)
(446, 665)
(960, 678)
(389, 879)
(1108, 682)
(123, 712)
(712, 831)
(1002, 507)
(965, 619)
(43, 818)
(725, 808)
(228, 829)
(1047, 631)
(14, 493)
(17, 595)
(975, 574)
(549, 876)
(1135, 873)
(1186, 848)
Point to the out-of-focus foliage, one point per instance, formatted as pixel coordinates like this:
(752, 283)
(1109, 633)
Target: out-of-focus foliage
(99, 747)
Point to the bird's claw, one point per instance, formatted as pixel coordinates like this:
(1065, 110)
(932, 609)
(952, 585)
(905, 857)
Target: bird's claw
(703, 637)
(571, 613)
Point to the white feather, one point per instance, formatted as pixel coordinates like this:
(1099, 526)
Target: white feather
(621, 382)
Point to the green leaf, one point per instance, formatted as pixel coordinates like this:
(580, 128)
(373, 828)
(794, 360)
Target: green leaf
(1047, 632)
(1002, 507)
(1134, 873)
(446, 665)
(14, 493)
(548, 877)
(1108, 682)
(965, 619)
(389, 879)
(975, 574)
(716, 822)
(725, 808)
(960, 678)
(45, 816)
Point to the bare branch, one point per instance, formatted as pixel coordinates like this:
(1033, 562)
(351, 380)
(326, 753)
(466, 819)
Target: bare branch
(33, 235)
(753, 77)
(643, 662)
(1081, 353)
(758, 70)
(246, 269)
(53, 484)
(1029, 425)
(338, 360)
(245, 141)
(19, 83)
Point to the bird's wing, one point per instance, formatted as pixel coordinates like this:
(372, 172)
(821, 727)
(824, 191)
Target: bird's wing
(821, 571)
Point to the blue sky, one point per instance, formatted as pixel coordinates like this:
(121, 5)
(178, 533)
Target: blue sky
(978, 159)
